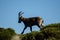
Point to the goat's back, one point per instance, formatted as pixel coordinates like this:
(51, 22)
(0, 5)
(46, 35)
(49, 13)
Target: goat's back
(33, 19)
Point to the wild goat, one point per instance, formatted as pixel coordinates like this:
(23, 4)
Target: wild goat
(29, 22)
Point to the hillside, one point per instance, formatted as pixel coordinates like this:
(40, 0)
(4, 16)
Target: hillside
(6, 34)
(49, 32)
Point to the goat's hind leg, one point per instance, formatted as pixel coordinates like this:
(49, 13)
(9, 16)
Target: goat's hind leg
(40, 26)
(40, 23)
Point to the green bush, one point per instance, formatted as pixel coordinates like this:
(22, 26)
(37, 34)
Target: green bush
(49, 32)
(6, 34)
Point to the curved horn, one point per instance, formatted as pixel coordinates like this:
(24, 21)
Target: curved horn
(20, 13)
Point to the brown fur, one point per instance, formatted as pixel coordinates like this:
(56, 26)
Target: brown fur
(29, 22)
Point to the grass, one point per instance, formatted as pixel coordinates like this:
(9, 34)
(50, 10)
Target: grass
(49, 32)
(6, 34)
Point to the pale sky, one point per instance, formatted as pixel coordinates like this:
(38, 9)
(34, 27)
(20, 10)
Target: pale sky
(49, 10)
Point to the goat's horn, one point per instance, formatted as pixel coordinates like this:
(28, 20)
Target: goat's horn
(20, 13)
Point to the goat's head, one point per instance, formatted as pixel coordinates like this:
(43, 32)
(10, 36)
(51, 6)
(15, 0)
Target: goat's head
(20, 17)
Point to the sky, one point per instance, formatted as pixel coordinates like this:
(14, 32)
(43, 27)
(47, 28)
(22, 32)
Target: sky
(48, 10)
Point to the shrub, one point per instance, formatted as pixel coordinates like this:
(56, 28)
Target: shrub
(6, 34)
(49, 32)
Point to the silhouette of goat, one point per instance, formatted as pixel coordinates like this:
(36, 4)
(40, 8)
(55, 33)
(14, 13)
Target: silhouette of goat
(29, 22)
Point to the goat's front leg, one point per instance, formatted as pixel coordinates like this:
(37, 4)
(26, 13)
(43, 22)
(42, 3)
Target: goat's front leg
(23, 30)
(31, 29)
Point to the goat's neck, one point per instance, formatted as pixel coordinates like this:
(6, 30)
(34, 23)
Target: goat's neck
(23, 19)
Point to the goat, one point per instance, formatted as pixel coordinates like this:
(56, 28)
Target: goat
(29, 22)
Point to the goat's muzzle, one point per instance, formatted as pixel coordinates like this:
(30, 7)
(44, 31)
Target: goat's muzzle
(19, 21)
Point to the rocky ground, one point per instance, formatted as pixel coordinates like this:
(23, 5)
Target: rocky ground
(15, 37)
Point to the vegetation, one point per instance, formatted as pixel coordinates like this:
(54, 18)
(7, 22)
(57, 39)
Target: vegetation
(6, 34)
(49, 32)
